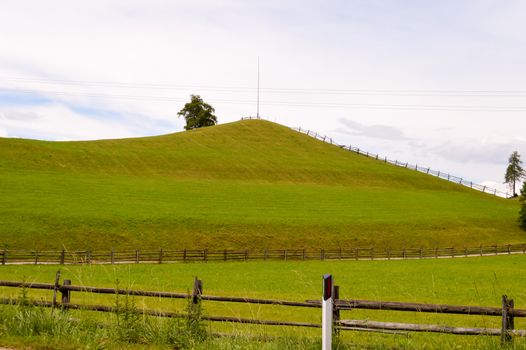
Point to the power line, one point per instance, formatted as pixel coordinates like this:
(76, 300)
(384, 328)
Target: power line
(466, 108)
(277, 90)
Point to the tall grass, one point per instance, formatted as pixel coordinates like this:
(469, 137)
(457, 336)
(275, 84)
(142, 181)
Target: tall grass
(126, 327)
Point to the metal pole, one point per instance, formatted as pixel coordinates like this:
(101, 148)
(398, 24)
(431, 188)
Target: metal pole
(327, 312)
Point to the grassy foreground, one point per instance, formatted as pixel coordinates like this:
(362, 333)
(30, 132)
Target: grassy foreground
(250, 184)
(461, 281)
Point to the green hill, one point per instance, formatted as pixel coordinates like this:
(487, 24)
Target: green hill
(245, 184)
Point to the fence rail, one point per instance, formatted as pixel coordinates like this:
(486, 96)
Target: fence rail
(507, 312)
(426, 170)
(160, 256)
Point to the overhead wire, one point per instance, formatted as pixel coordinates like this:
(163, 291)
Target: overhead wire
(394, 92)
(467, 108)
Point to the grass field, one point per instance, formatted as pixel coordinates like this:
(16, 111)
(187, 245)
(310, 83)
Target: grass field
(239, 185)
(461, 281)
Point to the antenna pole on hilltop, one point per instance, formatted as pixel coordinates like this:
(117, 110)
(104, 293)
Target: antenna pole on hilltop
(257, 113)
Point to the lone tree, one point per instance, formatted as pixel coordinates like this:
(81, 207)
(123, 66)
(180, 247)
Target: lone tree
(197, 113)
(514, 172)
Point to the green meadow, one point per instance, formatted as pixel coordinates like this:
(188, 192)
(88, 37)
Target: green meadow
(249, 184)
(459, 281)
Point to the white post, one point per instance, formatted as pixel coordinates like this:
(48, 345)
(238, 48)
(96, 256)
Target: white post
(326, 312)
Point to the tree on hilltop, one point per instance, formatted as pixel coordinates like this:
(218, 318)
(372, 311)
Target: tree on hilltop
(514, 172)
(197, 113)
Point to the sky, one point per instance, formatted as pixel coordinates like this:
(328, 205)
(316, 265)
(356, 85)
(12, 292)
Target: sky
(436, 83)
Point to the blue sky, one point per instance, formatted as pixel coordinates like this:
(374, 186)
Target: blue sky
(435, 83)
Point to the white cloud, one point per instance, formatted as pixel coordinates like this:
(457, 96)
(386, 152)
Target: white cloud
(57, 122)
(375, 131)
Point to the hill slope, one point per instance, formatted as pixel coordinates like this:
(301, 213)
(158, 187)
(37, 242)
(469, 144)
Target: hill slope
(244, 184)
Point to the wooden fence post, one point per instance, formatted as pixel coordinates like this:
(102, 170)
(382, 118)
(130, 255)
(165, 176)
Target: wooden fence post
(66, 293)
(62, 256)
(137, 256)
(436, 253)
(4, 257)
(336, 311)
(112, 256)
(89, 256)
(55, 289)
(197, 291)
(285, 255)
(508, 322)
(403, 253)
(184, 255)
(523, 248)
(205, 255)
(161, 256)
(481, 250)
(303, 257)
(246, 254)
(224, 255)
(509, 250)
(36, 257)
(266, 255)
(420, 252)
(388, 254)
(322, 255)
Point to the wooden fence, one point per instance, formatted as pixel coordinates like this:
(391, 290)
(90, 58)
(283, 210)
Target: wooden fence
(426, 170)
(160, 256)
(506, 312)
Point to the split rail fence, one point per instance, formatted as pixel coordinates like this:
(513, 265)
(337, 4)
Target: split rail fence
(426, 170)
(506, 312)
(204, 255)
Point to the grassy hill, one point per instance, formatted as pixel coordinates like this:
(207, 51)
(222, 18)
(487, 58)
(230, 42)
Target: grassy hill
(245, 184)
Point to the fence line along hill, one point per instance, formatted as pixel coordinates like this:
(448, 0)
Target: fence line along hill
(251, 184)
(426, 170)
